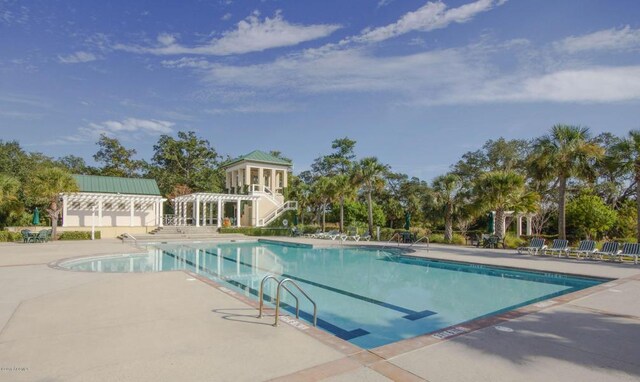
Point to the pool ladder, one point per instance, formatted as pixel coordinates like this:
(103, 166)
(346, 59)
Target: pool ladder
(282, 285)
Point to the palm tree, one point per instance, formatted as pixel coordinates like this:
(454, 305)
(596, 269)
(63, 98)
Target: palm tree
(503, 191)
(369, 174)
(45, 187)
(627, 154)
(445, 191)
(344, 189)
(324, 193)
(565, 153)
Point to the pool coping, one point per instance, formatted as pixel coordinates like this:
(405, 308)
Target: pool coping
(378, 358)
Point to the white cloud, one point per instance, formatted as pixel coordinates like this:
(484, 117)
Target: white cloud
(77, 57)
(132, 125)
(226, 17)
(623, 39)
(255, 108)
(187, 62)
(250, 35)
(433, 15)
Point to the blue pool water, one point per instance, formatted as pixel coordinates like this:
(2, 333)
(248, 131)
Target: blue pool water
(366, 296)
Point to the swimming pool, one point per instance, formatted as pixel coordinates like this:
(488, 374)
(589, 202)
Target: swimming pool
(369, 297)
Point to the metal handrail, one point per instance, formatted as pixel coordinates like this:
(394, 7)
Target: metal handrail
(130, 236)
(420, 239)
(267, 277)
(281, 284)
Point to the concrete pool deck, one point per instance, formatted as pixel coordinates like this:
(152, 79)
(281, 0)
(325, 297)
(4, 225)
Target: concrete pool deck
(78, 326)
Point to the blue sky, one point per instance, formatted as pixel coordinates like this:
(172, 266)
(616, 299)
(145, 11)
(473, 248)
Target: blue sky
(416, 83)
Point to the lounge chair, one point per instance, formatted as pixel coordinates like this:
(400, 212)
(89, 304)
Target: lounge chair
(586, 248)
(334, 234)
(609, 248)
(559, 246)
(365, 237)
(352, 235)
(535, 245)
(313, 235)
(630, 250)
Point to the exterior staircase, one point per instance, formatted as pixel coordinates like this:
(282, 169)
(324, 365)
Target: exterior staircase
(277, 212)
(182, 233)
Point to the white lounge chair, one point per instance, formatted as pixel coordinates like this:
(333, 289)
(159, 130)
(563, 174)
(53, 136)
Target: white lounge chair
(630, 250)
(559, 246)
(352, 235)
(609, 248)
(586, 248)
(535, 246)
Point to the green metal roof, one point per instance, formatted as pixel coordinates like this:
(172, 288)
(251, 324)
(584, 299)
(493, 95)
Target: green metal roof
(116, 185)
(258, 156)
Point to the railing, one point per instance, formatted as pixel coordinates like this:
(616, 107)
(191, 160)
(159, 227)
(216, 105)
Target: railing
(290, 205)
(281, 285)
(127, 235)
(425, 239)
(174, 220)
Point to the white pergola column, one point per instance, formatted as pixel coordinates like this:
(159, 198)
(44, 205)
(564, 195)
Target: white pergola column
(176, 212)
(529, 225)
(99, 212)
(131, 211)
(238, 213)
(204, 214)
(219, 222)
(65, 203)
(519, 226)
(210, 213)
(161, 204)
(196, 207)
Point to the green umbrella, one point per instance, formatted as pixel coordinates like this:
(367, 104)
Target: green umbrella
(491, 226)
(36, 217)
(407, 221)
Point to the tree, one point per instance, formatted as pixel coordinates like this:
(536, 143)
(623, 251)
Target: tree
(369, 175)
(446, 188)
(9, 203)
(75, 165)
(589, 216)
(44, 188)
(628, 156)
(187, 160)
(323, 192)
(344, 189)
(563, 154)
(502, 191)
(116, 160)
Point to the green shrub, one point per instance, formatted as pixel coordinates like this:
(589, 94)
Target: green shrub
(511, 241)
(77, 235)
(7, 236)
(253, 231)
(439, 238)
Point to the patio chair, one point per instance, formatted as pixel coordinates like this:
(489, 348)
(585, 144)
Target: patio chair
(630, 250)
(609, 248)
(313, 235)
(535, 246)
(42, 236)
(559, 246)
(586, 248)
(27, 237)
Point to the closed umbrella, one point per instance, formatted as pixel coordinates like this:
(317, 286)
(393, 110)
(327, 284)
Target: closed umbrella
(295, 219)
(491, 225)
(36, 217)
(407, 221)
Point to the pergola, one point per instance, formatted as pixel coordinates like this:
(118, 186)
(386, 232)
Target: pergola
(519, 217)
(101, 202)
(201, 201)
